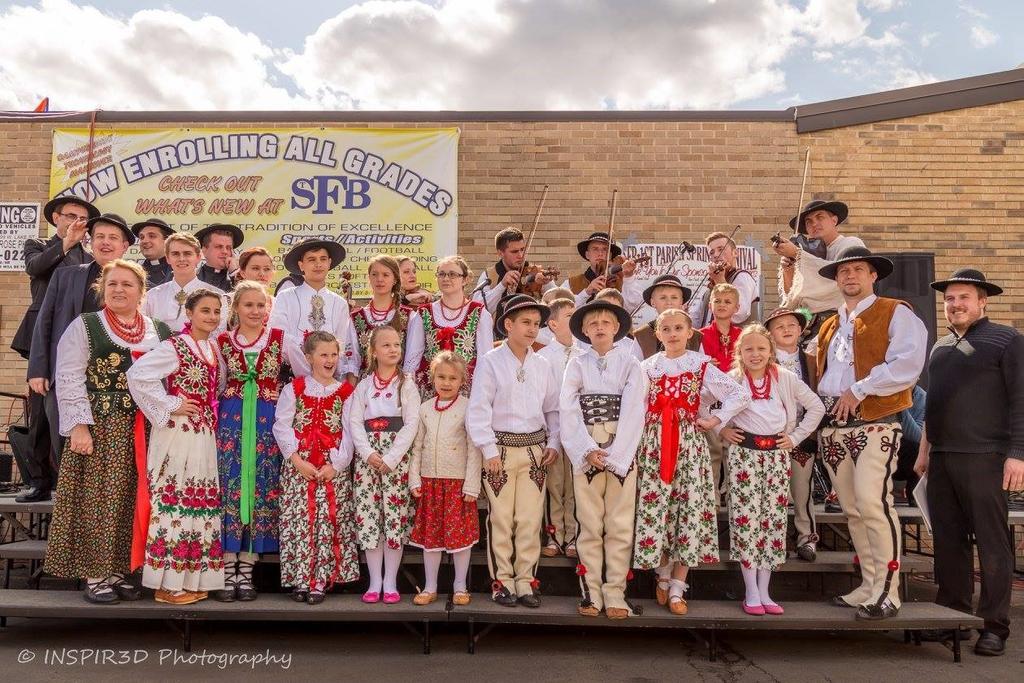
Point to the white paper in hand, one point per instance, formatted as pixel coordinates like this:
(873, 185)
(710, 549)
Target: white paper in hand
(921, 498)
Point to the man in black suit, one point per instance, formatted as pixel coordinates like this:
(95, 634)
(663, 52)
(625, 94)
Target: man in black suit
(69, 295)
(219, 242)
(42, 257)
(151, 234)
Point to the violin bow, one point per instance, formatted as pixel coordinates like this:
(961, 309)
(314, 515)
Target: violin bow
(533, 231)
(683, 247)
(611, 231)
(803, 186)
(708, 274)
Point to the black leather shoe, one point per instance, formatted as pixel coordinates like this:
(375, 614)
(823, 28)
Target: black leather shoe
(225, 595)
(34, 495)
(245, 592)
(101, 597)
(299, 595)
(531, 600)
(886, 610)
(316, 597)
(504, 598)
(807, 553)
(942, 635)
(837, 601)
(989, 645)
(127, 592)
(833, 507)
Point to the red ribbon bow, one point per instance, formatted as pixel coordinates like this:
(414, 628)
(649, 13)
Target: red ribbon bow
(669, 408)
(445, 338)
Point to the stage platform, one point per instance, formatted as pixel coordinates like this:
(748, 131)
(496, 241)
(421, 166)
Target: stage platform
(706, 620)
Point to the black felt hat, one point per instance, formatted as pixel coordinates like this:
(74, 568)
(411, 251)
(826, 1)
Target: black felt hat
(620, 313)
(59, 202)
(782, 313)
(840, 210)
(599, 236)
(667, 281)
(968, 276)
(156, 223)
(295, 254)
(520, 302)
(881, 264)
(237, 236)
(115, 220)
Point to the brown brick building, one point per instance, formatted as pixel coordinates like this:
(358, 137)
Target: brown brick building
(937, 168)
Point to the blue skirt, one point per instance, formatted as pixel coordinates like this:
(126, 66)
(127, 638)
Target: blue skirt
(261, 536)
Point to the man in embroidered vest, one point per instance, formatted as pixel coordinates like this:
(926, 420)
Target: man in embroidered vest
(667, 291)
(800, 285)
(869, 357)
(722, 269)
(976, 371)
(586, 285)
(501, 281)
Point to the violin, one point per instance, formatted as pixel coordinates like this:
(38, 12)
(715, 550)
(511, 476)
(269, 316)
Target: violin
(528, 283)
(346, 284)
(614, 271)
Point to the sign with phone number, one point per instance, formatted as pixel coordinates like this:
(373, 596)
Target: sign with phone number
(19, 221)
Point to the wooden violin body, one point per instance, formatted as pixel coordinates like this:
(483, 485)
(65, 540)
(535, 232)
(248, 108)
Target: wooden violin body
(529, 283)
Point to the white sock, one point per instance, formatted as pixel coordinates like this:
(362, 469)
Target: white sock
(461, 561)
(392, 561)
(431, 565)
(753, 597)
(375, 565)
(92, 583)
(664, 572)
(763, 577)
(247, 563)
(676, 588)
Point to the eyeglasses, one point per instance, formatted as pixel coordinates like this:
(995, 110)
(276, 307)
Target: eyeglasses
(73, 217)
(446, 275)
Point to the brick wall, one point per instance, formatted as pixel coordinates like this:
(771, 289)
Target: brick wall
(950, 183)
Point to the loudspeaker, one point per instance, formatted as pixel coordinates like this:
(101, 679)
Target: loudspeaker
(910, 281)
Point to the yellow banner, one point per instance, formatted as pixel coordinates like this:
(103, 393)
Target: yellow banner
(372, 190)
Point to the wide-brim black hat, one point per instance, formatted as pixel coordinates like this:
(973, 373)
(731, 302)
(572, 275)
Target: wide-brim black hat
(520, 302)
(782, 313)
(840, 210)
(581, 247)
(968, 276)
(156, 223)
(115, 220)
(295, 254)
(620, 313)
(882, 265)
(57, 202)
(237, 236)
(667, 281)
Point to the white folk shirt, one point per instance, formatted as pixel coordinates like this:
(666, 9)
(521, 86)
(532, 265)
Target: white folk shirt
(412, 343)
(632, 294)
(717, 386)
(514, 397)
(72, 360)
(291, 313)
(369, 402)
(614, 373)
(700, 310)
(284, 429)
(161, 304)
(810, 289)
(490, 293)
(558, 355)
(791, 409)
(146, 378)
(904, 359)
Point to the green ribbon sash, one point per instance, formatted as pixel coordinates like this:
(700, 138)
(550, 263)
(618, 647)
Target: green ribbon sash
(250, 393)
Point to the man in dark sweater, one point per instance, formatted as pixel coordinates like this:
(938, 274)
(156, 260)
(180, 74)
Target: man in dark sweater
(973, 452)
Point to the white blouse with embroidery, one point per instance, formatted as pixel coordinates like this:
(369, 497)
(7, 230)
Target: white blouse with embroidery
(284, 430)
(369, 402)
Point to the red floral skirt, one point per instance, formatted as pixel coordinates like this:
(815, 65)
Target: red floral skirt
(444, 520)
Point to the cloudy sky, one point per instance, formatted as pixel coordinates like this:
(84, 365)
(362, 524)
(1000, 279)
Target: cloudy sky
(491, 54)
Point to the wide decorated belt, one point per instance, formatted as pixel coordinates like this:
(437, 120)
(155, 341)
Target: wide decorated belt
(759, 442)
(854, 420)
(512, 440)
(384, 424)
(599, 408)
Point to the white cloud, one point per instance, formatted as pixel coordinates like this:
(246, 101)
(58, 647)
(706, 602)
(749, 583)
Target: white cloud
(970, 10)
(822, 55)
(981, 37)
(882, 5)
(926, 39)
(905, 77)
(156, 59)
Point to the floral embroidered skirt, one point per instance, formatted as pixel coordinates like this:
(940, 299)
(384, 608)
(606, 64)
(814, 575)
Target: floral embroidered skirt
(676, 520)
(444, 520)
(317, 549)
(183, 546)
(382, 500)
(261, 536)
(91, 528)
(758, 497)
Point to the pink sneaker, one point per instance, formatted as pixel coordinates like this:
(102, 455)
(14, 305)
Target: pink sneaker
(392, 598)
(369, 597)
(755, 610)
(773, 609)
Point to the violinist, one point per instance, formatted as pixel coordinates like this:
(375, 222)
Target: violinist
(618, 274)
(503, 279)
(722, 269)
(800, 286)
